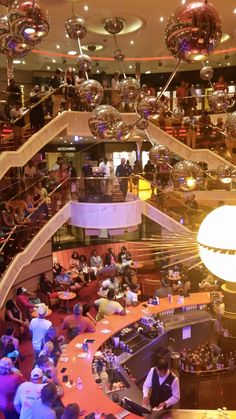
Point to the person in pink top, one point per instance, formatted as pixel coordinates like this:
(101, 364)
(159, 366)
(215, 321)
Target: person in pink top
(23, 302)
(77, 321)
(10, 379)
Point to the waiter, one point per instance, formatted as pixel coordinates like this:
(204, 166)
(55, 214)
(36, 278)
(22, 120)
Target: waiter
(161, 387)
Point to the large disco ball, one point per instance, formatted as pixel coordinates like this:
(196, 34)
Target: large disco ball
(4, 25)
(102, 121)
(226, 173)
(119, 54)
(217, 244)
(14, 46)
(84, 63)
(219, 101)
(193, 31)
(150, 108)
(129, 90)
(206, 73)
(230, 125)
(6, 3)
(28, 20)
(90, 92)
(186, 175)
(114, 25)
(76, 27)
(159, 154)
(142, 124)
(122, 131)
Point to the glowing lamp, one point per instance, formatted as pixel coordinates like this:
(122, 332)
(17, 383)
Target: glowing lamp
(217, 242)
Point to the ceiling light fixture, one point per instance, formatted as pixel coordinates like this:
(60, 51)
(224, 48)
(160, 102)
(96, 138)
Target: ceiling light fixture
(48, 67)
(225, 37)
(72, 52)
(132, 42)
(148, 72)
(16, 61)
(235, 11)
(57, 46)
(161, 19)
(130, 66)
(86, 8)
(228, 64)
(54, 61)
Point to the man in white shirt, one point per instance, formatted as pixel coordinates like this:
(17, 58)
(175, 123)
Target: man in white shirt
(131, 295)
(38, 328)
(107, 307)
(161, 387)
(28, 393)
(106, 183)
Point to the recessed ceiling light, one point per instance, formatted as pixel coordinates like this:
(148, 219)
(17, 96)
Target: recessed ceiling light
(67, 36)
(130, 66)
(132, 42)
(16, 61)
(219, 64)
(86, 8)
(161, 19)
(57, 46)
(23, 62)
(72, 52)
(183, 1)
(65, 141)
(235, 11)
(29, 31)
(48, 67)
(76, 138)
(54, 61)
(148, 72)
(98, 71)
(73, 68)
(228, 64)
(207, 61)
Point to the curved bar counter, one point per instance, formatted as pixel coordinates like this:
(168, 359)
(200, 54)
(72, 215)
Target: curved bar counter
(91, 398)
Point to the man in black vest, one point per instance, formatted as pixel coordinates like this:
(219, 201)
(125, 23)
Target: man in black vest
(161, 387)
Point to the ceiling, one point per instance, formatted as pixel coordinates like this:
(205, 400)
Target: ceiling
(145, 28)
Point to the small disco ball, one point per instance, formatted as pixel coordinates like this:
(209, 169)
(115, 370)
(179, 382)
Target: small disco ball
(150, 108)
(90, 92)
(6, 3)
(122, 131)
(76, 27)
(218, 101)
(4, 26)
(119, 54)
(102, 122)
(226, 173)
(114, 25)
(14, 46)
(142, 124)
(129, 90)
(193, 31)
(159, 154)
(84, 62)
(28, 20)
(230, 125)
(186, 175)
(206, 73)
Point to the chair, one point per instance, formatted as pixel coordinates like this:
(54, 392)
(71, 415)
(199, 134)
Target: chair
(45, 298)
(149, 286)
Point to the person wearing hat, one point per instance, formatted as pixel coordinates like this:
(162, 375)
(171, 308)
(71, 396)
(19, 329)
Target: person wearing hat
(77, 321)
(23, 302)
(38, 327)
(28, 393)
(10, 379)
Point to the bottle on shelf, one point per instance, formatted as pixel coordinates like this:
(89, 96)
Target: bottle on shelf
(104, 380)
(79, 384)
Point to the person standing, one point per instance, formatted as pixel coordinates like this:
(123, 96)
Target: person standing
(181, 94)
(38, 327)
(161, 387)
(115, 96)
(28, 394)
(10, 379)
(106, 183)
(14, 94)
(55, 82)
(43, 407)
(122, 171)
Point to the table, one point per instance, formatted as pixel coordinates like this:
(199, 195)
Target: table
(65, 297)
(35, 313)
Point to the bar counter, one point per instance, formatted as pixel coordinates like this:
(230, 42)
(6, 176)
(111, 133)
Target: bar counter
(91, 398)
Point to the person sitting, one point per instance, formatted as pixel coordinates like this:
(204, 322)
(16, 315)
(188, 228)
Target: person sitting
(56, 267)
(87, 271)
(43, 408)
(129, 276)
(28, 393)
(76, 323)
(107, 306)
(13, 313)
(74, 260)
(124, 257)
(131, 295)
(24, 303)
(46, 286)
(96, 262)
(110, 258)
(64, 281)
(109, 283)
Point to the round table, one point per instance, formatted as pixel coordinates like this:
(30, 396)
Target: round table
(35, 313)
(65, 297)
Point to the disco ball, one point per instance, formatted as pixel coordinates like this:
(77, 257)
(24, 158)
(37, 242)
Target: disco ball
(142, 124)
(114, 25)
(226, 173)
(84, 62)
(4, 25)
(218, 101)
(119, 54)
(150, 108)
(230, 125)
(14, 46)
(28, 20)
(76, 27)
(193, 31)
(122, 131)
(206, 73)
(6, 3)
(186, 175)
(102, 121)
(129, 90)
(159, 154)
(90, 92)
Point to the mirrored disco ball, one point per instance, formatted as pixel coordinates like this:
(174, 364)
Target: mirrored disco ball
(114, 25)
(193, 31)
(84, 62)
(159, 154)
(122, 131)
(186, 175)
(90, 92)
(129, 90)
(4, 25)
(6, 3)
(14, 46)
(218, 101)
(28, 20)
(102, 121)
(119, 54)
(150, 108)
(230, 125)
(226, 173)
(76, 27)
(142, 124)
(206, 73)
